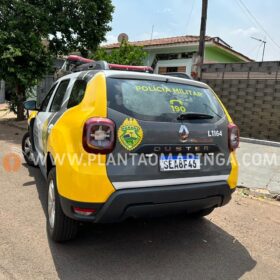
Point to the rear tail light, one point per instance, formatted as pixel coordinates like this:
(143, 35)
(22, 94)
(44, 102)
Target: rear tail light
(84, 211)
(99, 135)
(233, 136)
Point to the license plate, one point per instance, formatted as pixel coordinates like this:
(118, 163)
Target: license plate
(179, 163)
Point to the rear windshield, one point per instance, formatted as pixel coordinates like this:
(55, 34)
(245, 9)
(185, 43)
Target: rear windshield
(160, 101)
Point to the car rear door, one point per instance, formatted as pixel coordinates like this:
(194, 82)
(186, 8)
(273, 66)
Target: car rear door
(157, 144)
(49, 113)
(40, 119)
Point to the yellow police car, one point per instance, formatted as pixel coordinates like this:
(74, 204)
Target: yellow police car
(117, 144)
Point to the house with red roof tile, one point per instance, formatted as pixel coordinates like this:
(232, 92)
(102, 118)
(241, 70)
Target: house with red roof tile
(175, 54)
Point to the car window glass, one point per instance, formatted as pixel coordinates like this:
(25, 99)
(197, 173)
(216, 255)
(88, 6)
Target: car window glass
(59, 96)
(47, 99)
(77, 93)
(160, 101)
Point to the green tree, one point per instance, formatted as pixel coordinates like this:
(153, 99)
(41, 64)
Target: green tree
(126, 54)
(34, 32)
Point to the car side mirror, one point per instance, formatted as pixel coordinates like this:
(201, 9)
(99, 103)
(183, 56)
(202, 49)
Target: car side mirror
(30, 105)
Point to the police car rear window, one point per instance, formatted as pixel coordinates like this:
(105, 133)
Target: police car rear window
(160, 101)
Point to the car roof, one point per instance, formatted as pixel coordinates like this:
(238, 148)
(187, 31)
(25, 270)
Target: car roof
(152, 77)
(88, 75)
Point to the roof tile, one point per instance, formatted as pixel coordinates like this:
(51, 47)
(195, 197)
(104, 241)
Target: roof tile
(162, 41)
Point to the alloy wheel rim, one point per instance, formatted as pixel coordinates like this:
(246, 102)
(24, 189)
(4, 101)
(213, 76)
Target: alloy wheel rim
(28, 149)
(51, 204)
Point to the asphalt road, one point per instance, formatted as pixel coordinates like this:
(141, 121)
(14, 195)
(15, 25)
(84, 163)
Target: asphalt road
(240, 240)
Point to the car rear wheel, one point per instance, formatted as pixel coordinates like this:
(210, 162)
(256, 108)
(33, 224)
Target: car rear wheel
(201, 213)
(27, 150)
(60, 227)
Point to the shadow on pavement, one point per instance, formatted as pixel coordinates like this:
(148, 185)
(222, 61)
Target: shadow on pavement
(10, 134)
(166, 248)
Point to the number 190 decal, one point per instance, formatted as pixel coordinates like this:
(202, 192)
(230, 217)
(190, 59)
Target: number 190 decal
(177, 106)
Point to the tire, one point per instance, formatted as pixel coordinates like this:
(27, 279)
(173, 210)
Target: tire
(60, 228)
(201, 213)
(27, 150)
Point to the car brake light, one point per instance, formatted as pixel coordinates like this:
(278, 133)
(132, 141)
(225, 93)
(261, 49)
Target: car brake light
(233, 136)
(84, 211)
(99, 135)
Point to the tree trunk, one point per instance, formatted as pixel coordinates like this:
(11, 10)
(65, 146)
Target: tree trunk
(21, 99)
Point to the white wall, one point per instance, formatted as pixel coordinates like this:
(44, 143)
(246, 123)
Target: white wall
(175, 63)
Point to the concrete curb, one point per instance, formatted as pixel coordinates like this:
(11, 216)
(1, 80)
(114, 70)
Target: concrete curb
(260, 142)
(258, 193)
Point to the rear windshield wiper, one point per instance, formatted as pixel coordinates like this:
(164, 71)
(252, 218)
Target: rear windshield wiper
(194, 116)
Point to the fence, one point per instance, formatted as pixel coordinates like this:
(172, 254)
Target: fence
(251, 93)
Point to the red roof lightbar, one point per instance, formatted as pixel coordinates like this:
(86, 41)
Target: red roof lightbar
(76, 58)
(130, 68)
(83, 64)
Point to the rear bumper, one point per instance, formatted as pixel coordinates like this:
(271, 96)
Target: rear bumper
(153, 201)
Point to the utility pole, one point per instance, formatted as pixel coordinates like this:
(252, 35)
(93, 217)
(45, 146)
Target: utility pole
(199, 56)
(263, 42)
(202, 30)
(263, 50)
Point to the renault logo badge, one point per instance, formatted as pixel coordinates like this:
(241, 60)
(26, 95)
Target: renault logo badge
(184, 133)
